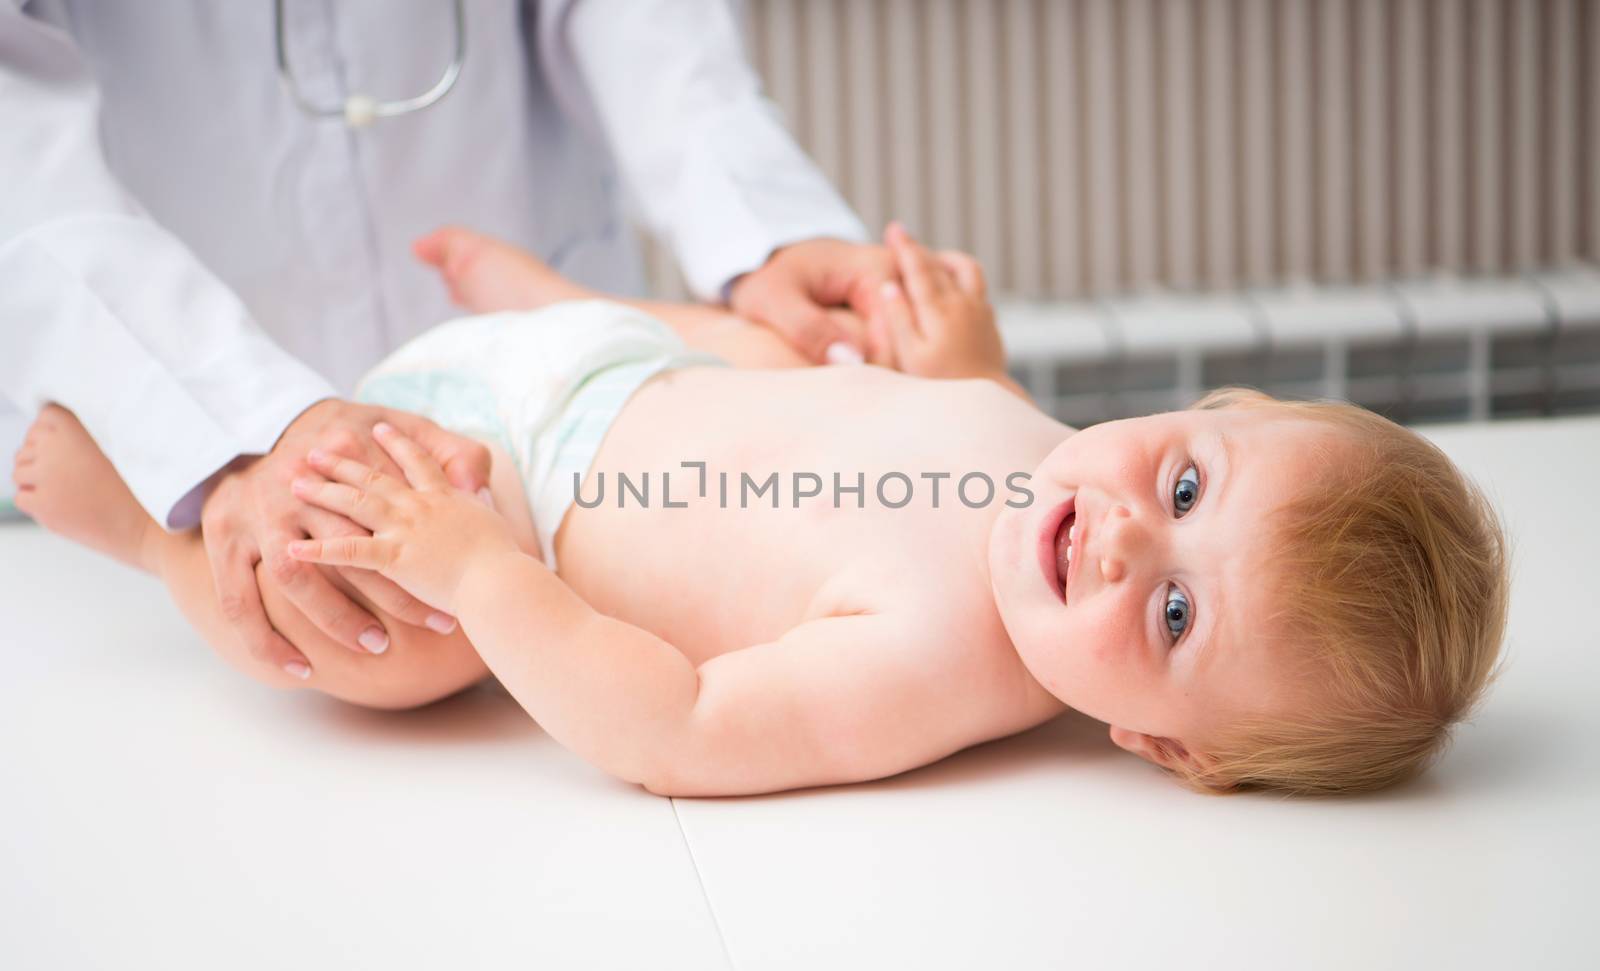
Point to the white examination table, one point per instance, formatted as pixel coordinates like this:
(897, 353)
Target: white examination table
(157, 810)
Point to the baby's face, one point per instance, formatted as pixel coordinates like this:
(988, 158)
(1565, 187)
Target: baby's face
(1157, 622)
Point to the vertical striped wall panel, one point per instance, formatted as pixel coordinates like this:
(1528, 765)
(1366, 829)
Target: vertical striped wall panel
(1083, 148)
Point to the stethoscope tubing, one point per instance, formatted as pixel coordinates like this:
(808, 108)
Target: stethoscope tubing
(360, 109)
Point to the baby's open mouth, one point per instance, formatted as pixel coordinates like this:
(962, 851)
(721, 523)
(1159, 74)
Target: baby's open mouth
(1055, 548)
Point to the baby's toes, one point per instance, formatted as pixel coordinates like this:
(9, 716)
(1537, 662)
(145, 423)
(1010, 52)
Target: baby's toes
(44, 428)
(38, 493)
(56, 420)
(463, 255)
(24, 478)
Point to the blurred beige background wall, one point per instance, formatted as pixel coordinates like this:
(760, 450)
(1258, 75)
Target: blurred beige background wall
(1084, 148)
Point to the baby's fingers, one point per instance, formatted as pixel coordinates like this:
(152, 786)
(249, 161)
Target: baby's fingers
(349, 471)
(925, 278)
(364, 552)
(900, 322)
(359, 506)
(421, 470)
(967, 271)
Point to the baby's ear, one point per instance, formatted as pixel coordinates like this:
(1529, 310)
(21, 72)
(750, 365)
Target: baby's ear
(1169, 753)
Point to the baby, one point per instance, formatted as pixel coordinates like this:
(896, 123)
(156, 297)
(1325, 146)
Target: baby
(714, 580)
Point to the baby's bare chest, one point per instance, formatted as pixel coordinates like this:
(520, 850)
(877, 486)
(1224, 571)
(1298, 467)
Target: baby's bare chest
(722, 511)
(715, 576)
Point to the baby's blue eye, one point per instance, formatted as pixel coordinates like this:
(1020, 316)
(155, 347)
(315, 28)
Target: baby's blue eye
(1187, 491)
(1176, 611)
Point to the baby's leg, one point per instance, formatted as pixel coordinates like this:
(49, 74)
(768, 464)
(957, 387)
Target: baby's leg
(725, 334)
(68, 485)
(487, 275)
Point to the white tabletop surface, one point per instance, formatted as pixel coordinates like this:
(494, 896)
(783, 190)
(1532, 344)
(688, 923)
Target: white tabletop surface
(160, 811)
(157, 810)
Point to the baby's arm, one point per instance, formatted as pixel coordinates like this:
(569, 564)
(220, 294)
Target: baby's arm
(935, 323)
(835, 700)
(838, 699)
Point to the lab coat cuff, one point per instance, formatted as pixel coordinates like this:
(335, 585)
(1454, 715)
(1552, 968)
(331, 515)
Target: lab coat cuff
(112, 317)
(744, 191)
(192, 486)
(714, 270)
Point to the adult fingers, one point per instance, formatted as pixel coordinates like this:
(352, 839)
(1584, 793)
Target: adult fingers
(466, 463)
(853, 338)
(968, 272)
(384, 594)
(351, 551)
(871, 272)
(233, 573)
(801, 322)
(391, 598)
(419, 467)
(325, 605)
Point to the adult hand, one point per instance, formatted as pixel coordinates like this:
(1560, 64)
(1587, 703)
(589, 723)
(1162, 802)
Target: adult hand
(803, 288)
(426, 535)
(251, 517)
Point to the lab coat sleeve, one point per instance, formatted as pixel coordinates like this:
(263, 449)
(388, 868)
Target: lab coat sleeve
(706, 158)
(108, 314)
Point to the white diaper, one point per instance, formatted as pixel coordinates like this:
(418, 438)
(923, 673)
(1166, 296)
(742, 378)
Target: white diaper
(544, 385)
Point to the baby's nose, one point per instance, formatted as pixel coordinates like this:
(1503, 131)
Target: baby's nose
(1115, 540)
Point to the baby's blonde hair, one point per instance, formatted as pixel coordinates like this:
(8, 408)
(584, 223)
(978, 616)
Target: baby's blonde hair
(1392, 576)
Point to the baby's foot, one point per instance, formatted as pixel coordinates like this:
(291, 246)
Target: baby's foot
(486, 274)
(68, 486)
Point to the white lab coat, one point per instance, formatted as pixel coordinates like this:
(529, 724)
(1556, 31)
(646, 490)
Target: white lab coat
(187, 261)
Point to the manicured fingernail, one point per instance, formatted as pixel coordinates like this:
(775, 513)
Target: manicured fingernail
(297, 670)
(374, 640)
(890, 290)
(841, 353)
(486, 497)
(382, 428)
(441, 622)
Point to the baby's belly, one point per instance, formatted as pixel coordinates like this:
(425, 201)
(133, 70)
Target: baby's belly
(706, 578)
(738, 520)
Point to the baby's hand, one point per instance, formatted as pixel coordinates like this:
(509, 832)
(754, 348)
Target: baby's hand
(940, 324)
(425, 536)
